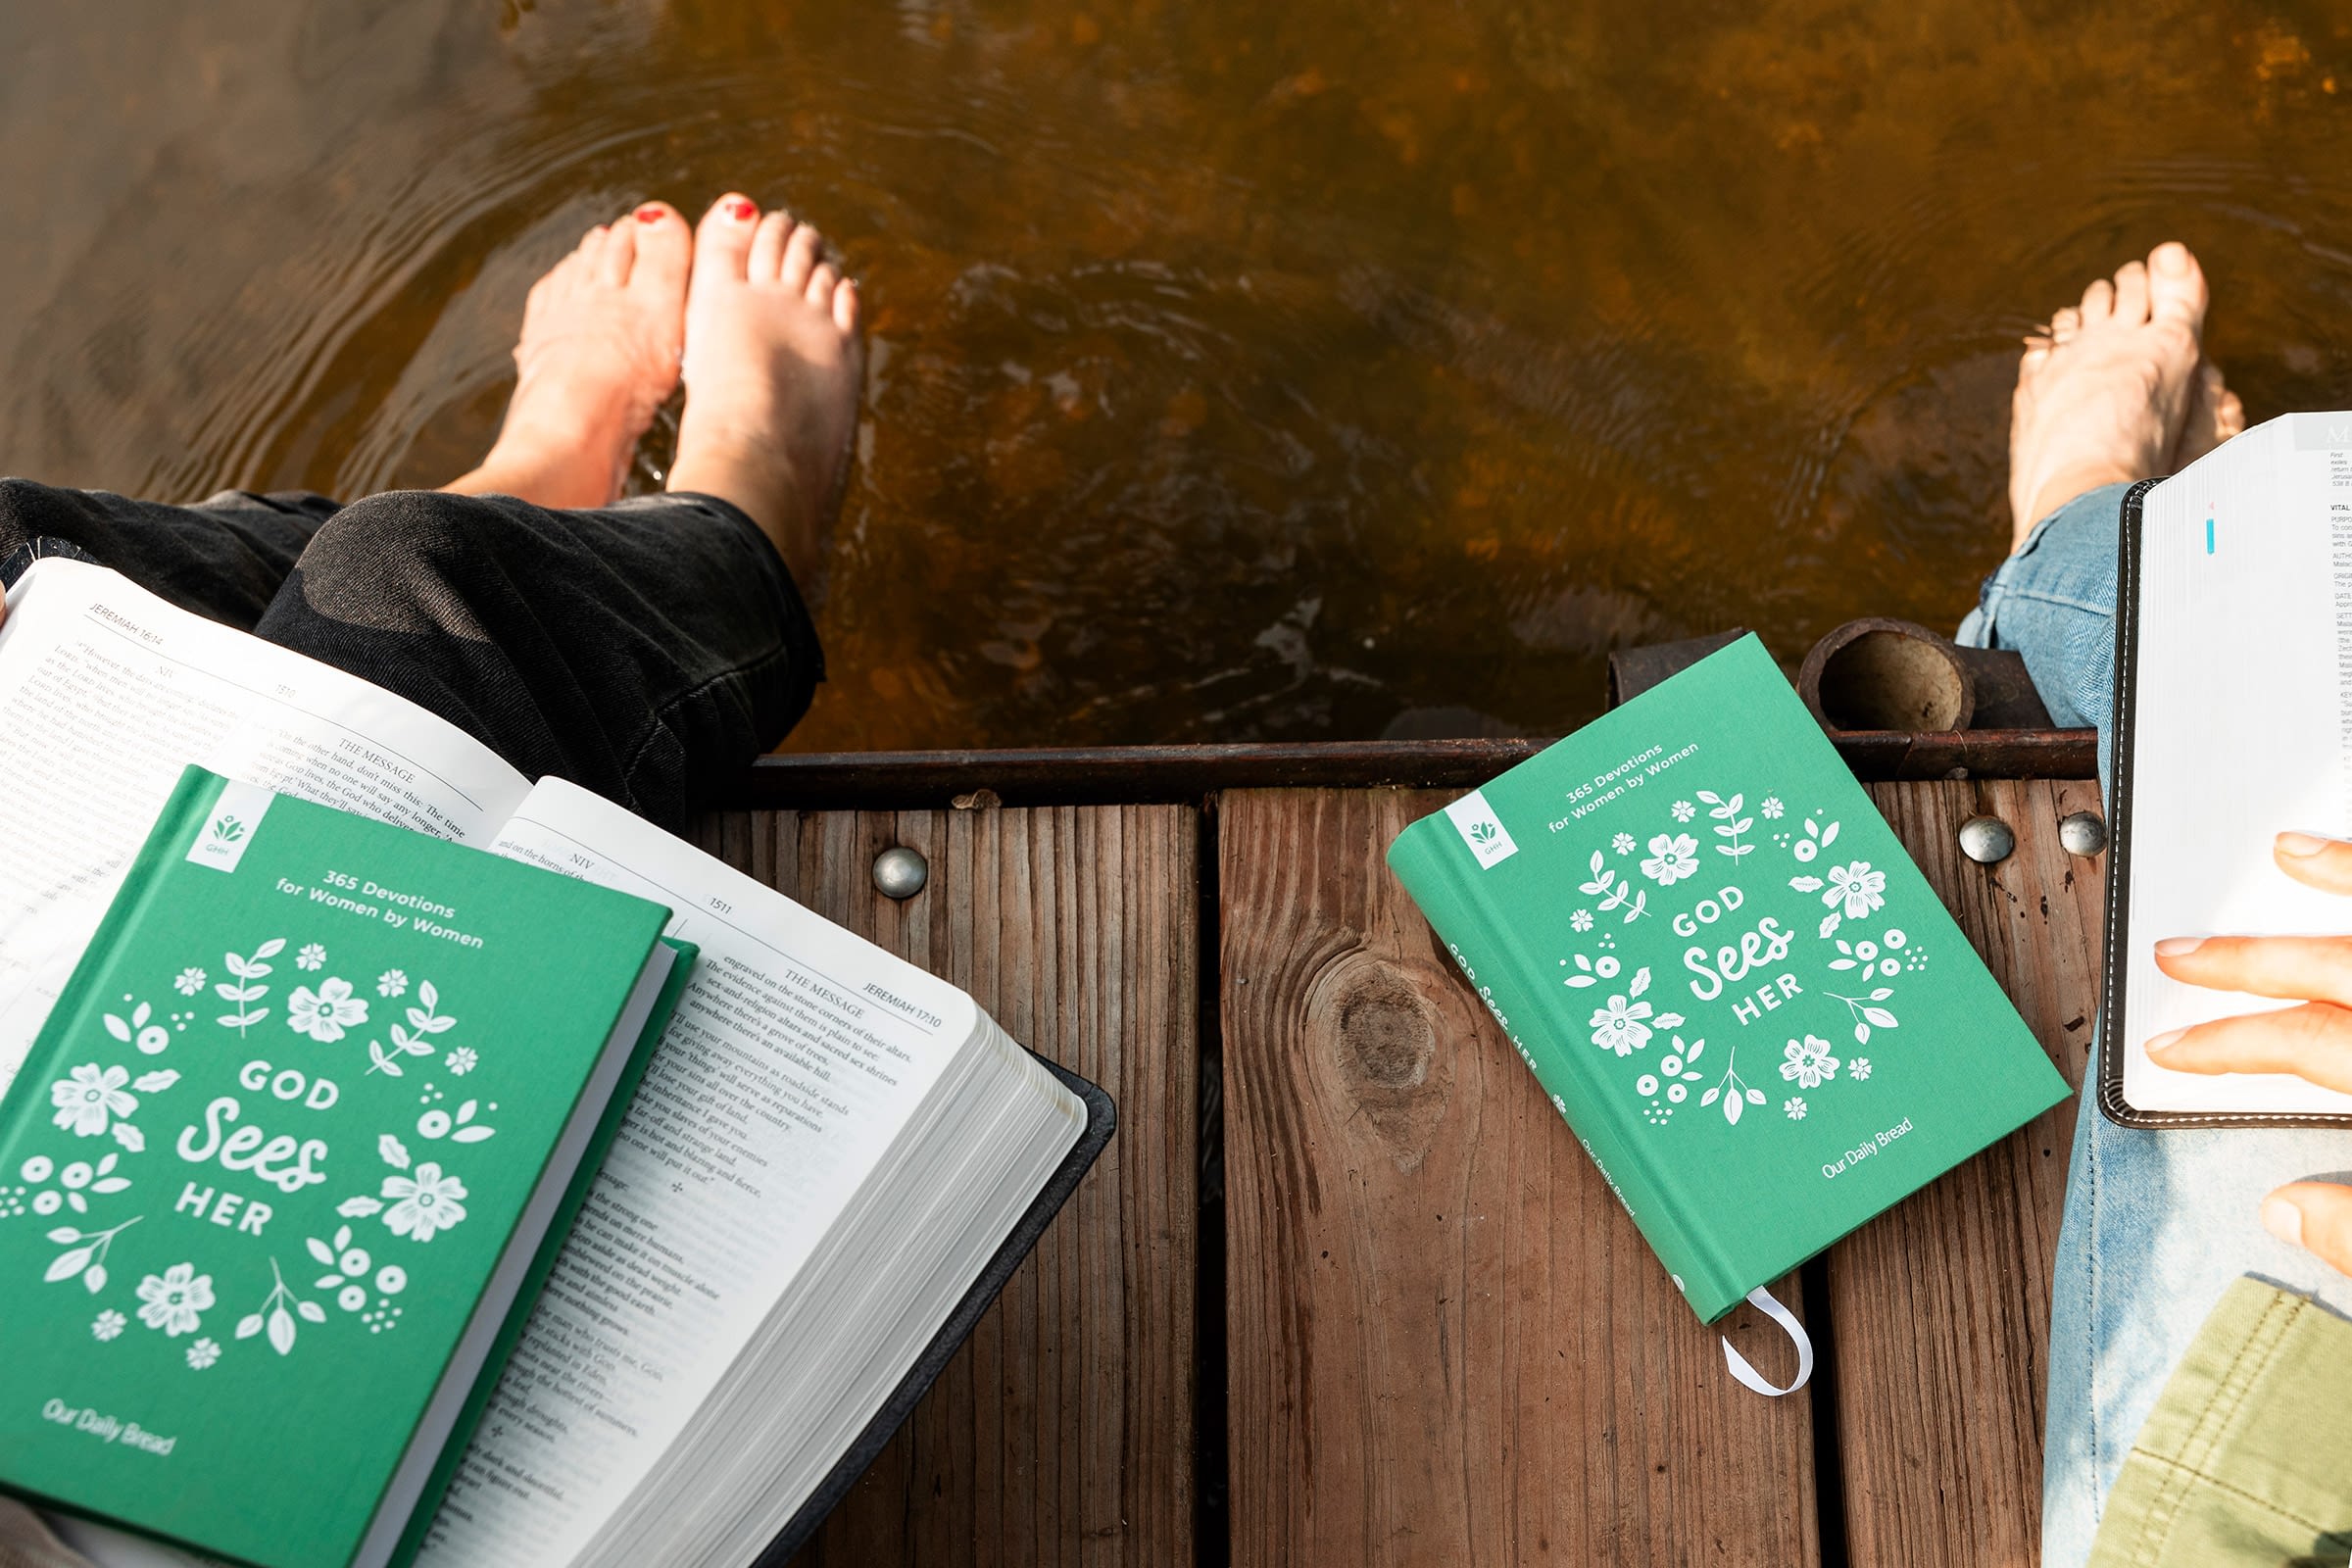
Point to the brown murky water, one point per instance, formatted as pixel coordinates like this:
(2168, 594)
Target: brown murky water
(1241, 370)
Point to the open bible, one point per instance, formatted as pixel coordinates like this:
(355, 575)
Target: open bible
(834, 1161)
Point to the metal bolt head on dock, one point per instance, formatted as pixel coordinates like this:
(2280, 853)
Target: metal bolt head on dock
(901, 872)
(1986, 840)
(2082, 833)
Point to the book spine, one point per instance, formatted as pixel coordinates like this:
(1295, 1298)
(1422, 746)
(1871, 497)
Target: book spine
(1545, 1031)
(27, 1105)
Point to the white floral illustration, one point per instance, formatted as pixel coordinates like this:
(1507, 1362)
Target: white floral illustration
(108, 1325)
(1817, 839)
(84, 1254)
(1684, 811)
(1734, 1092)
(203, 1353)
(1578, 920)
(1772, 807)
(1809, 1064)
(392, 982)
(139, 1030)
(347, 1269)
(275, 1317)
(1729, 823)
(243, 997)
(174, 1298)
(1671, 859)
(463, 1129)
(463, 1060)
(1861, 889)
(1623, 1024)
(1858, 1069)
(311, 956)
(79, 1178)
(1614, 894)
(428, 1203)
(191, 981)
(425, 1021)
(1623, 844)
(89, 1095)
(1794, 1106)
(323, 1015)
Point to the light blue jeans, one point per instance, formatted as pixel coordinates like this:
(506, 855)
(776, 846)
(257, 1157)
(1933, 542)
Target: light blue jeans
(2157, 1223)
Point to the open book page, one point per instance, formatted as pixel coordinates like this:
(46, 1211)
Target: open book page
(798, 1052)
(107, 692)
(2242, 729)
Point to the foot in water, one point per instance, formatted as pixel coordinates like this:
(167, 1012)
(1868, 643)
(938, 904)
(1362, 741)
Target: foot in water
(773, 365)
(602, 339)
(2117, 390)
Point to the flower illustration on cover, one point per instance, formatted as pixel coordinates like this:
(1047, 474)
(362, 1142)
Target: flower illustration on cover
(1684, 811)
(1809, 1063)
(1620, 1026)
(203, 1353)
(1772, 807)
(108, 1325)
(77, 1177)
(1861, 889)
(427, 1203)
(463, 1060)
(311, 956)
(1671, 859)
(138, 1030)
(323, 1015)
(189, 981)
(1795, 1108)
(1580, 920)
(1858, 1069)
(1623, 844)
(392, 982)
(175, 1297)
(89, 1095)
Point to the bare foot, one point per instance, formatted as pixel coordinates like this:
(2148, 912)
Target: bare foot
(602, 337)
(2105, 396)
(2214, 415)
(773, 365)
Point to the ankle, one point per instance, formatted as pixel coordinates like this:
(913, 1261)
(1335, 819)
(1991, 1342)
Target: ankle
(2063, 486)
(759, 480)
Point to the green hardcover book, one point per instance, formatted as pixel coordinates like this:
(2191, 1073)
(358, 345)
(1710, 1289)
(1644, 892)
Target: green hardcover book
(288, 1164)
(1738, 990)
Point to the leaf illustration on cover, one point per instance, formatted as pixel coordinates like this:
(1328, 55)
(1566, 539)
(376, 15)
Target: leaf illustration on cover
(324, 1253)
(470, 1134)
(391, 1149)
(1641, 982)
(1830, 924)
(1732, 1105)
(1755, 1097)
(249, 1325)
(1711, 1097)
(1879, 1016)
(311, 1311)
(1670, 1021)
(67, 1265)
(281, 1330)
(155, 1082)
(1806, 884)
(358, 1207)
(93, 1278)
(129, 1137)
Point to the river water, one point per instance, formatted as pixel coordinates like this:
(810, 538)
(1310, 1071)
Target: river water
(1240, 370)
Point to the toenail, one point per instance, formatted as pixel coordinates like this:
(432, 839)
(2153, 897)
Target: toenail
(2171, 258)
(649, 214)
(741, 211)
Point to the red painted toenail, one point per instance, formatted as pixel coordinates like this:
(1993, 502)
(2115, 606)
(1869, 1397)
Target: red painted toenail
(742, 211)
(649, 214)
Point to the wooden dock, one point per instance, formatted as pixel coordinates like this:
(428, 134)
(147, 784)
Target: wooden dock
(1343, 1291)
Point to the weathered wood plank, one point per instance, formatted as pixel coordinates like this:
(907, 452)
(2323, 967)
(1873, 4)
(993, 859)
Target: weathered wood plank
(1940, 1308)
(1448, 1343)
(1062, 1432)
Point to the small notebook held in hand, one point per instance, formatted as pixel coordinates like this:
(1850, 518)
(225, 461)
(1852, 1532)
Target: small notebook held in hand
(1736, 989)
(2233, 724)
(274, 1174)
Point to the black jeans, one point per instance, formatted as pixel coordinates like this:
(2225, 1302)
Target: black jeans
(642, 650)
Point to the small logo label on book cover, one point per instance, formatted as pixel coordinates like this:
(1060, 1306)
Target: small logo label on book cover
(1475, 820)
(236, 816)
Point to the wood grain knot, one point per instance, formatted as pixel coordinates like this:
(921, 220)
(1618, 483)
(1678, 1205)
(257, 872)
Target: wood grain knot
(1374, 1026)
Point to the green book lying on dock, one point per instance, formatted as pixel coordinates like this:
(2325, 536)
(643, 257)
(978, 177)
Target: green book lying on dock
(276, 1171)
(1735, 986)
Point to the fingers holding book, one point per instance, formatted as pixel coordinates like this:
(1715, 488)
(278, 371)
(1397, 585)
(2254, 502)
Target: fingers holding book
(2315, 1215)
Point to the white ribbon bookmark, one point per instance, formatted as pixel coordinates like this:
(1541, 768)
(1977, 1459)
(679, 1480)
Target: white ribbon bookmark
(1761, 1300)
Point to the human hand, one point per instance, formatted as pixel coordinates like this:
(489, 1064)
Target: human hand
(2313, 1040)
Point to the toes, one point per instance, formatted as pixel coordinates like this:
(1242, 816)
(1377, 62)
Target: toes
(821, 284)
(2098, 303)
(2176, 286)
(845, 307)
(592, 243)
(722, 245)
(2132, 294)
(800, 257)
(620, 251)
(2228, 416)
(665, 248)
(2065, 324)
(767, 246)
